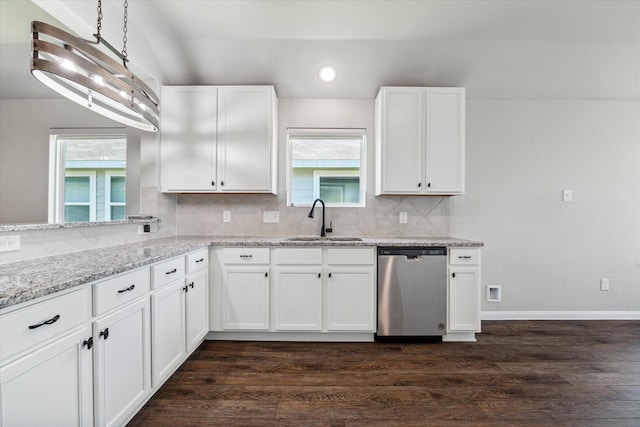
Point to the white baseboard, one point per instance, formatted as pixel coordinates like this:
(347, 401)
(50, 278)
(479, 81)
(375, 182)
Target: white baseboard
(560, 315)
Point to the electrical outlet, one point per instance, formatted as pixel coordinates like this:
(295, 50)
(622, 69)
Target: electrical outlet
(402, 218)
(604, 284)
(271, 216)
(226, 216)
(567, 195)
(9, 243)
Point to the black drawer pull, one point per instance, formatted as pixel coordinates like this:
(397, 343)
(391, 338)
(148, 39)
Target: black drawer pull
(453, 275)
(464, 256)
(54, 319)
(130, 288)
(329, 275)
(191, 285)
(246, 256)
(105, 334)
(171, 272)
(88, 343)
(199, 260)
(186, 289)
(319, 275)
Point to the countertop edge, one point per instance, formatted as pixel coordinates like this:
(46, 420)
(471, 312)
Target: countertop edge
(27, 280)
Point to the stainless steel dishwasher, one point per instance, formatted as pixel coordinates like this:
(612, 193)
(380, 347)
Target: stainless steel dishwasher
(412, 292)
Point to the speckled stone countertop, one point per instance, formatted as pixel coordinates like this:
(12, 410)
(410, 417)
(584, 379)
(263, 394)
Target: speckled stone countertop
(26, 280)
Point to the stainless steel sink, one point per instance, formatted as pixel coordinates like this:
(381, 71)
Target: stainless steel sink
(323, 239)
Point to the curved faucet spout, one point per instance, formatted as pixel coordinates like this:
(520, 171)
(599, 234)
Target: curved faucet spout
(323, 230)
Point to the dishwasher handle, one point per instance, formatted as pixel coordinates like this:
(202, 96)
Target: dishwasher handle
(413, 251)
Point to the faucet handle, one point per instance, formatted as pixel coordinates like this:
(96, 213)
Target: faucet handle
(330, 228)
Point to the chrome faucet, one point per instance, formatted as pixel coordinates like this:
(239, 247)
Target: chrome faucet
(323, 230)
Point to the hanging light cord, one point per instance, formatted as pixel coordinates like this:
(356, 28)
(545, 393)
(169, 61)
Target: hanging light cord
(124, 31)
(99, 39)
(99, 19)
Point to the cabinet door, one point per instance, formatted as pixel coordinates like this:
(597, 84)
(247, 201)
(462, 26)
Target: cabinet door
(245, 298)
(298, 299)
(188, 138)
(464, 299)
(351, 298)
(245, 138)
(122, 362)
(51, 386)
(197, 309)
(445, 139)
(167, 330)
(400, 150)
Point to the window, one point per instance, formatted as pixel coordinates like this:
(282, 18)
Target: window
(326, 164)
(87, 179)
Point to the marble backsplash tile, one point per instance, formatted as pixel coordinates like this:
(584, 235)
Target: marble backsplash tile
(201, 214)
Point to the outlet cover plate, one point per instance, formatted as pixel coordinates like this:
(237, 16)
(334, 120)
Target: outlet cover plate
(271, 216)
(9, 243)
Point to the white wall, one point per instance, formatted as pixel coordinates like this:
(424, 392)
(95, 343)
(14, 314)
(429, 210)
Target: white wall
(548, 255)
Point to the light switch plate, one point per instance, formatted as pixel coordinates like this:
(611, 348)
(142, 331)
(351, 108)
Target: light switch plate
(566, 195)
(226, 216)
(402, 217)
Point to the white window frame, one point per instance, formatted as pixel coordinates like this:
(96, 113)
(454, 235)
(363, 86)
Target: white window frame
(107, 192)
(322, 173)
(57, 168)
(92, 194)
(324, 133)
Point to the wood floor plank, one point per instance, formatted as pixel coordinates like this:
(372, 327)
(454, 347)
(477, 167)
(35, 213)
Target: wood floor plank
(519, 373)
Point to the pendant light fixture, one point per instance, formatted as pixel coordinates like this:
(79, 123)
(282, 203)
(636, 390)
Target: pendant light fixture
(78, 70)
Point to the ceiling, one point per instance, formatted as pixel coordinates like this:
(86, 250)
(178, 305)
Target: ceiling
(496, 49)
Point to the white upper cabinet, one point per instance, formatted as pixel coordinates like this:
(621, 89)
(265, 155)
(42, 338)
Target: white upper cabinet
(219, 139)
(189, 138)
(420, 139)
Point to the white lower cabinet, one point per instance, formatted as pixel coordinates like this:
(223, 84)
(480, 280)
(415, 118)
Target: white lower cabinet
(298, 298)
(179, 312)
(46, 371)
(122, 361)
(59, 366)
(168, 330)
(51, 386)
(197, 308)
(245, 298)
(463, 296)
(351, 293)
(312, 289)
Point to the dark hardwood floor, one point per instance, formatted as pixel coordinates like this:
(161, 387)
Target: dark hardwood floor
(519, 373)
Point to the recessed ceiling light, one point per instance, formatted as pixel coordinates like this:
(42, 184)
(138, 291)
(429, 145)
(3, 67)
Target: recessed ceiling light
(327, 73)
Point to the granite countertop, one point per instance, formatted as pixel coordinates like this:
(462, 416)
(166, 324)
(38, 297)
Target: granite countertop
(26, 280)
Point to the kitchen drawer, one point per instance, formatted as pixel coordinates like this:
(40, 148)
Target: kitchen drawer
(351, 256)
(464, 256)
(245, 255)
(120, 290)
(298, 256)
(197, 261)
(33, 325)
(166, 272)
